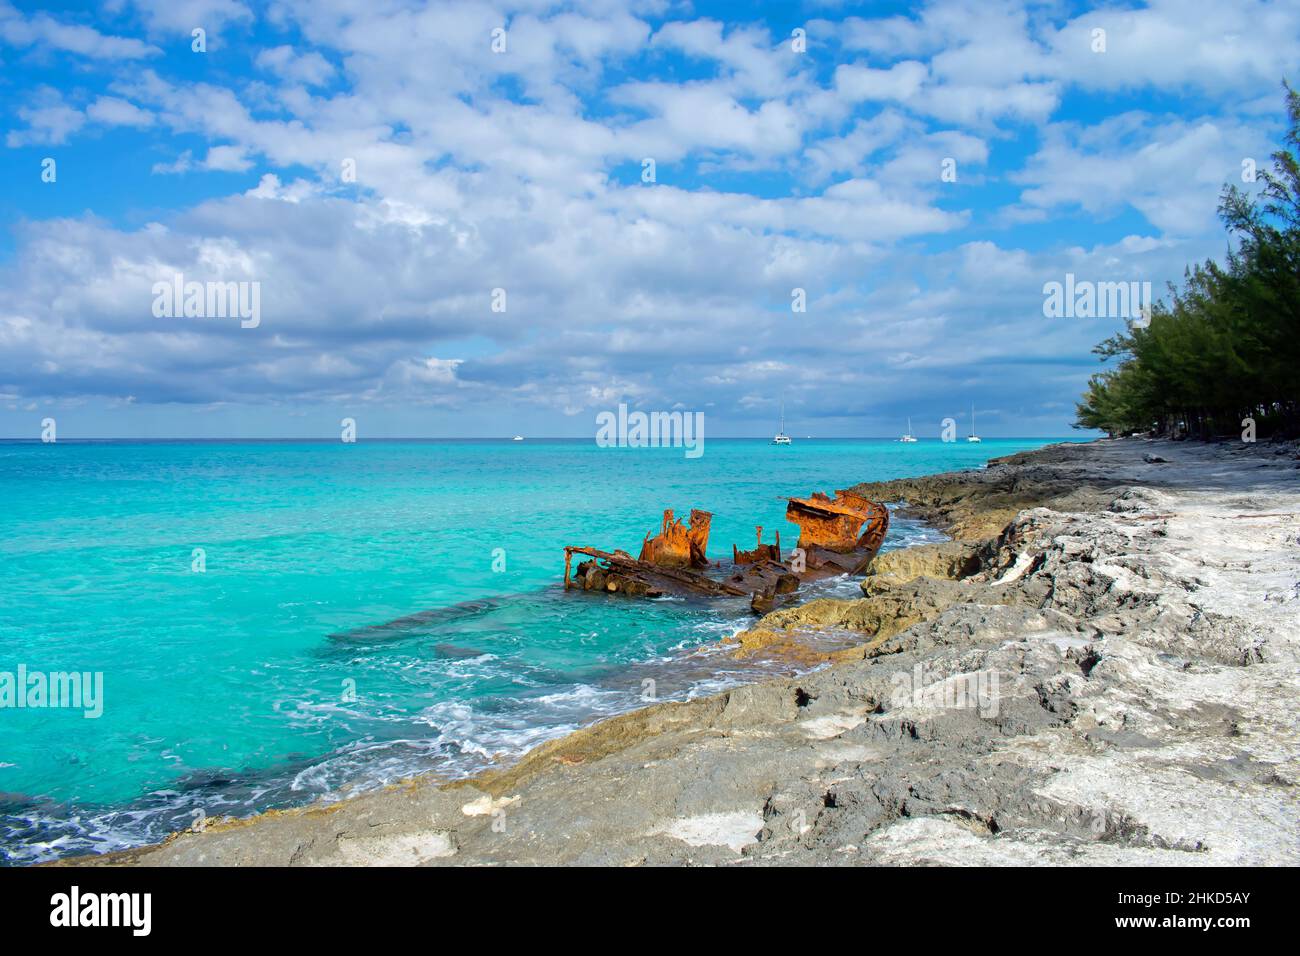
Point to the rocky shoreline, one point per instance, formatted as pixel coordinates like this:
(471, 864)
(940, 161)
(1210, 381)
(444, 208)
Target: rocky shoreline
(1101, 667)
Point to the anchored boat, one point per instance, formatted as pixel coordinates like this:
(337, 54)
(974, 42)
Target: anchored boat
(781, 438)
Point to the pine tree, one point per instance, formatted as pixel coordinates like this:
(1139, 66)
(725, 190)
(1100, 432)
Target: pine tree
(1227, 343)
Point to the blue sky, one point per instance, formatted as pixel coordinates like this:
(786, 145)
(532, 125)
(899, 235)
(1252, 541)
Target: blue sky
(776, 168)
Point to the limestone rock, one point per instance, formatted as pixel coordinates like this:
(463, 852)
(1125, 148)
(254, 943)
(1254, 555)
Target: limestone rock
(952, 560)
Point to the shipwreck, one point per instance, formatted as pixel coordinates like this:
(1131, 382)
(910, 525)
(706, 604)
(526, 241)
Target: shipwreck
(839, 535)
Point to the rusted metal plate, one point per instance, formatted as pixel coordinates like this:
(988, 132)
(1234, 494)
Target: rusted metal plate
(873, 535)
(678, 545)
(761, 552)
(836, 524)
(769, 584)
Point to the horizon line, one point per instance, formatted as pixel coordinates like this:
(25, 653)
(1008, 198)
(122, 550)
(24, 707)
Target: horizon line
(504, 438)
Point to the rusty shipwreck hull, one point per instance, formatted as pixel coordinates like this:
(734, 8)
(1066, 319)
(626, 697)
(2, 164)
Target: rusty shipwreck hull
(841, 534)
(836, 536)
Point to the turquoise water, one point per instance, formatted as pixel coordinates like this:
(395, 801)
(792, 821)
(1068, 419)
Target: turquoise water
(285, 671)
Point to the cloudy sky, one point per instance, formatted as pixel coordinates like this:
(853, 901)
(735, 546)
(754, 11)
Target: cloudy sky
(518, 161)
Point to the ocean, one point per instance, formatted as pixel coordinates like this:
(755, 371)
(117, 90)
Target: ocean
(276, 622)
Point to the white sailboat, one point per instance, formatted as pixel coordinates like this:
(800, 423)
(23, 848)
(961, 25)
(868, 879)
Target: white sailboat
(972, 436)
(781, 438)
(909, 437)
(518, 438)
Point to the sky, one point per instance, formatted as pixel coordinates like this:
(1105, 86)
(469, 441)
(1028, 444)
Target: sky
(471, 219)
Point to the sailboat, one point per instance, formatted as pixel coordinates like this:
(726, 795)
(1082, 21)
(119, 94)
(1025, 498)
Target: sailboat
(781, 438)
(909, 437)
(972, 436)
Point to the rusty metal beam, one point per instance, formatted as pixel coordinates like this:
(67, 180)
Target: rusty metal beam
(619, 572)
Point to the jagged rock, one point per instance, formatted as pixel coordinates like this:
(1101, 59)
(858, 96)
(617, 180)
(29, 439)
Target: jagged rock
(950, 559)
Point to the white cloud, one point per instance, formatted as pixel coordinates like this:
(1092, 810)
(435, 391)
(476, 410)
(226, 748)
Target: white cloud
(1205, 44)
(310, 68)
(900, 82)
(50, 122)
(229, 159)
(44, 31)
(751, 63)
(176, 18)
(112, 111)
(1170, 170)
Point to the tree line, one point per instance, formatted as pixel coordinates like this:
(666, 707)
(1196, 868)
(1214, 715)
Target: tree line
(1225, 347)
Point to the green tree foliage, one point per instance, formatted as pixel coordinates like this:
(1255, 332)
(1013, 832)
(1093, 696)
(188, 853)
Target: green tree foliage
(1227, 343)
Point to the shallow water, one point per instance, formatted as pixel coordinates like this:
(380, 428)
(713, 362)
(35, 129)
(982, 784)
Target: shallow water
(349, 627)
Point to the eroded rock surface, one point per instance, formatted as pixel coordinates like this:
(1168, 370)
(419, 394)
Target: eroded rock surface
(950, 559)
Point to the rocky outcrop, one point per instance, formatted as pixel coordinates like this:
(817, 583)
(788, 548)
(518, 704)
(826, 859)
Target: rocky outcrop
(976, 505)
(951, 560)
(806, 633)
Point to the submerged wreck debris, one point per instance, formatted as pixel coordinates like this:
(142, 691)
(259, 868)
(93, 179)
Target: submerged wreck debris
(832, 532)
(767, 582)
(420, 623)
(761, 552)
(677, 545)
(617, 572)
